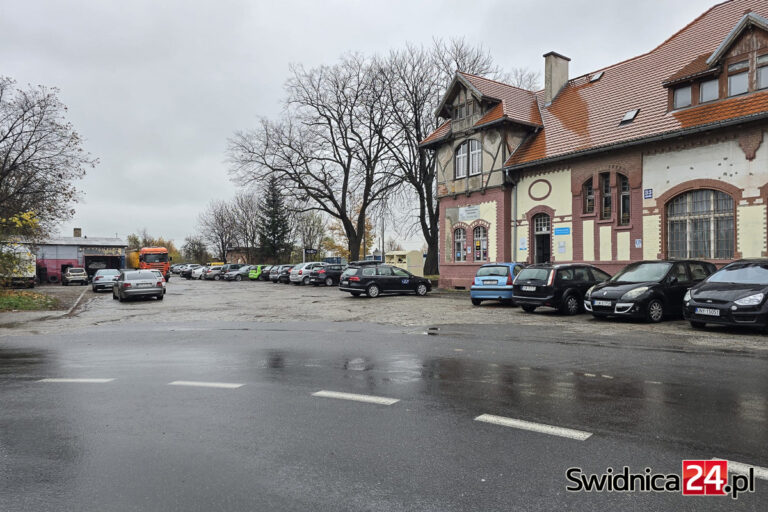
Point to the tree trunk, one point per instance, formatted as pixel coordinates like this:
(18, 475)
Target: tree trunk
(431, 264)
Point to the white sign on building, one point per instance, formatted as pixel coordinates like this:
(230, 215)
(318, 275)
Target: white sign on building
(468, 213)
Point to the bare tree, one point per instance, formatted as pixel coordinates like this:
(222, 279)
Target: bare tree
(417, 78)
(195, 249)
(329, 150)
(309, 229)
(41, 155)
(524, 78)
(217, 227)
(245, 215)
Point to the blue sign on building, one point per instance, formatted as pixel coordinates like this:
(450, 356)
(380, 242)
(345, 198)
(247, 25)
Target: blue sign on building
(562, 231)
(648, 193)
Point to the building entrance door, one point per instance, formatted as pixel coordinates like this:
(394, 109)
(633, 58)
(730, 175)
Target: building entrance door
(542, 238)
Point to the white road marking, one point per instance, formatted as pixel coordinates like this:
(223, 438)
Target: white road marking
(357, 398)
(579, 435)
(222, 385)
(652, 382)
(590, 375)
(78, 381)
(606, 376)
(743, 469)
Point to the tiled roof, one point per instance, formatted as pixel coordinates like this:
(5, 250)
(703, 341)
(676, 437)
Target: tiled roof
(517, 104)
(697, 67)
(440, 133)
(83, 241)
(585, 116)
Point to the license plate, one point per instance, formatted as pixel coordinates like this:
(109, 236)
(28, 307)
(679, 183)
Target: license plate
(708, 311)
(345, 282)
(602, 303)
(528, 288)
(488, 281)
(143, 285)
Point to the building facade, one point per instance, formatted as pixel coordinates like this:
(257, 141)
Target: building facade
(55, 255)
(660, 156)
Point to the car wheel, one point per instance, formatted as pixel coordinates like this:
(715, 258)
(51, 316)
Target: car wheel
(238, 277)
(655, 311)
(421, 290)
(120, 298)
(328, 281)
(217, 277)
(305, 281)
(476, 302)
(698, 325)
(355, 294)
(528, 308)
(160, 297)
(114, 297)
(373, 291)
(93, 288)
(571, 305)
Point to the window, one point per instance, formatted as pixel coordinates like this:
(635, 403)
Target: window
(475, 158)
(738, 78)
(460, 244)
(708, 90)
(600, 276)
(624, 202)
(589, 197)
(400, 272)
(481, 243)
(682, 97)
(629, 116)
(541, 224)
(384, 271)
(461, 161)
(700, 225)
(369, 271)
(605, 193)
(762, 71)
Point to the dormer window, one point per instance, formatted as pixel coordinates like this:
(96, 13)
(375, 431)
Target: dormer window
(682, 97)
(708, 90)
(762, 71)
(738, 78)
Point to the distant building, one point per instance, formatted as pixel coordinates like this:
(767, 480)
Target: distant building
(657, 157)
(55, 255)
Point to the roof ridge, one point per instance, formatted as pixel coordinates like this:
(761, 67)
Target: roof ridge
(496, 81)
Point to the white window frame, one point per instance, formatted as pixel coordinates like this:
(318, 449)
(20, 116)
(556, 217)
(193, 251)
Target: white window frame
(475, 158)
(460, 244)
(460, 161)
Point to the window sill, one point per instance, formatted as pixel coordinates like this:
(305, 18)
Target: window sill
(604, 221)
(624, 227)
(592, 215)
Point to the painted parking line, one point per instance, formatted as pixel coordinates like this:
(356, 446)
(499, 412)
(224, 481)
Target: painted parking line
(78, 381)
(220, 385)
(578, 435)
(743, 469)
(381, 400)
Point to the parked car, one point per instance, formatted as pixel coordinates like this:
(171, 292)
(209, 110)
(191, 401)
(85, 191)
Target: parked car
(230, 266)
(493, 281)
(265, 272)
(199, 272)
(255, 272)
(137, 283)
(300, 273)
(187, 271)
(104, 278)
(175, 269)
(213, 272)
(238, 274)
(652, 290)
(74, 275)
(284, 274)
(328, 275)
(734, 295)
(559, 286)
(161, 277)
(378, 278)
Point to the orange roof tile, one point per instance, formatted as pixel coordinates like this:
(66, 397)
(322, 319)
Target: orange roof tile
(697, 67)
(586, 115)
(442, 131)
(516, 103)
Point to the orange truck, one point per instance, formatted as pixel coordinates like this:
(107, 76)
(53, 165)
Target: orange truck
(154, 258)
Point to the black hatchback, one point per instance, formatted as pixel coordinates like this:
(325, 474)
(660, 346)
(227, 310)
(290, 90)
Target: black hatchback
(651, 290)
(329, 275)
(373, 279)
(734, 295)
(559, 286)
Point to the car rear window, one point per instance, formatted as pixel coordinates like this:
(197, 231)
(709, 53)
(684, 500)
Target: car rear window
(540, 274)
(108, 272)
(77, 271)
(499, 270)
(741, 274)
(349, 272)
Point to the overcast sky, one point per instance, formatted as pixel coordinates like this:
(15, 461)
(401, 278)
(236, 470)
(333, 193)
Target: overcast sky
(156, 87)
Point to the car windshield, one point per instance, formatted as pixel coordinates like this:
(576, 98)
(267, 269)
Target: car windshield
(642, 272)
(498, 270)
(741, 274)
(540, 274)
(156, 258)
(108, 272)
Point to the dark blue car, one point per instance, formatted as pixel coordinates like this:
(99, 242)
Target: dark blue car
(493, 281)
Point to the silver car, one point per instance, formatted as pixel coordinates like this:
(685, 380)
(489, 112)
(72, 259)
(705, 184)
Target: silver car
(137, 283)
(104, 278)
(74, 275)
(300, 273)
(213, 273)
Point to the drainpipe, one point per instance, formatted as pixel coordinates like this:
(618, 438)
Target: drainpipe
(514, 219)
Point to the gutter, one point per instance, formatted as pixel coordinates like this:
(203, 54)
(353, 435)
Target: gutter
(637, 142)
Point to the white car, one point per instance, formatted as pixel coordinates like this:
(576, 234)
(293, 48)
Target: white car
(199, 272)
(161, 277)
(300, 273)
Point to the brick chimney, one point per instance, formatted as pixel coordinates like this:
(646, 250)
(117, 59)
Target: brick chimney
(555, 75)
(77, 232)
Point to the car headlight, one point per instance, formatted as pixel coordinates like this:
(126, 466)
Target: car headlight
(752, 300)
(687, 296)
(589, 292)
(633, 294)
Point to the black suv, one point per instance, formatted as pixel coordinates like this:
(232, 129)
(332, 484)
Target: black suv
(374, 278)
(647, 289)
(556, 286)
(328, 275)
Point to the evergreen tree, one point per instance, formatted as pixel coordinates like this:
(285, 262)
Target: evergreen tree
(274, 222)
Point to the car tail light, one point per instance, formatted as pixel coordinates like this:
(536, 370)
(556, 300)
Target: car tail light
(551, 278)
(126, 285)
(159, 284)
(300, 272)
(97, 278)
(322, 271)
(509, 278)
(354, 278)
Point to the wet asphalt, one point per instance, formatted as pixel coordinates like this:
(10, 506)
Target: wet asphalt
(138, 443)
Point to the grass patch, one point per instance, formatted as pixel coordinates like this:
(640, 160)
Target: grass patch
(11, 300)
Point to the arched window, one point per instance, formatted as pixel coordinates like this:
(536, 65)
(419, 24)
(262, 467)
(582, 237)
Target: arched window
(700, 225)
(469, 159)
(623, 199)
(606, 205)
(588, 197)
(460, 244)
(480, 236)
(542, 238)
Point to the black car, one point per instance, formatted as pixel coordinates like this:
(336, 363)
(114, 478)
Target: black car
(734, 295)
(187, 272)
(375, 278)
(328, 275)
(559, 286)
(651, 290)
(265, 272)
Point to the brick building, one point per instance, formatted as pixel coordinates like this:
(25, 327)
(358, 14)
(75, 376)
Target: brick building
(659, 156)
